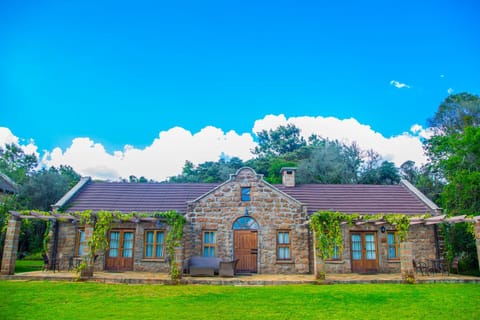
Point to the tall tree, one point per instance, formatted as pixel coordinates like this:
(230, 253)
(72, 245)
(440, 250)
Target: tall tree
(282, 140)
(454, 154)
(15, 163)
(455, 113)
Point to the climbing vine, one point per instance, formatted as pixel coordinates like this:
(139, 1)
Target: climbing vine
(327, 228)
(176, 222)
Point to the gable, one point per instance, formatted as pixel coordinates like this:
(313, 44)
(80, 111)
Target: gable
(260, 191)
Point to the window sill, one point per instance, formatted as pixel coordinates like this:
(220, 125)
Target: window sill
(284, 262)
(334, 261)
(393, 260)
(152, 260)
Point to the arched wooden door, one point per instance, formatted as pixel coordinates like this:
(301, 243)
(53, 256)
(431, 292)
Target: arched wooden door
(246, 244)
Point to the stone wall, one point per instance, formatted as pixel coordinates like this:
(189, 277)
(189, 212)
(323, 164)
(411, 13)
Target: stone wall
(139, 262)
(10, 247)
(272, 210)
(423, 238)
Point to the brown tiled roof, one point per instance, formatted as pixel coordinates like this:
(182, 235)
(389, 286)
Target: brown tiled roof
(358, 198)
(138, 197)
(150, 197)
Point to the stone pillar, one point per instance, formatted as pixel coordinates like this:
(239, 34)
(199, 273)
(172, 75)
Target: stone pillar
(11, 246)
(477, 240)
(179, 260)
(318, 263)
(406, 259)
(88, 236)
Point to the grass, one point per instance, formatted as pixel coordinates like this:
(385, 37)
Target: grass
(61, 300)
(28, 265)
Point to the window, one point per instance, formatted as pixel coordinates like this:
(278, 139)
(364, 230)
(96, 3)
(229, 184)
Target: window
(245, 193)
(335, 254)
(209, 243)
(393, 245)
(81, 243)
(283, 245)
(245, 223)
(154, 244)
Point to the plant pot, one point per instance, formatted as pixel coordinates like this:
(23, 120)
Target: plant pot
(86, 272)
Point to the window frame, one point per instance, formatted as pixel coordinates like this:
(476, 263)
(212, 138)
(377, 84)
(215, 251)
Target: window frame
(284, 245)
(336, 255)
(244, 195)
(395, 245)
(209, 245)
(78, 243)
(154, 244)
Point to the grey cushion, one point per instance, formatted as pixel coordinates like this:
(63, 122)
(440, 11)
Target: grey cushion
(204, 262)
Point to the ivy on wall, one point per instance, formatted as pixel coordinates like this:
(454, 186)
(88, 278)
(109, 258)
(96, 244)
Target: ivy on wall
(326, 226)
(102, 221)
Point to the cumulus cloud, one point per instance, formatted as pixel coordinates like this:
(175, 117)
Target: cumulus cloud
(7, 137)
(399, 85)
(167, 153)
(165, 156)
(398, 149)
(450, 90)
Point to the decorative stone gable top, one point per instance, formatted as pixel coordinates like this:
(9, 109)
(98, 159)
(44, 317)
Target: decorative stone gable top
(246, 177)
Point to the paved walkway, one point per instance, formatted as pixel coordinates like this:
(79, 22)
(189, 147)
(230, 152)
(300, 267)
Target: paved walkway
(255, 279)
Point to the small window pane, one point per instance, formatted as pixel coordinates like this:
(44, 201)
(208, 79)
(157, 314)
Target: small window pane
(246, 194)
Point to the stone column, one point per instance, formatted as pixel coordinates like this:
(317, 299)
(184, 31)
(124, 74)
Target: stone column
(179, 259)
(318, 263)
(88, 236)
(11, 246)
(406, 259)
(477, 240)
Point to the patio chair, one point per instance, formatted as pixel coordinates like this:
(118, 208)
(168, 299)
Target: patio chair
(227, 268)
(420, 266)
(455, 262)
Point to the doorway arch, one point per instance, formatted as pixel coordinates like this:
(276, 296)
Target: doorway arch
(245, 243)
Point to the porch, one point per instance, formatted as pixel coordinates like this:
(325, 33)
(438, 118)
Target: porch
(131, 277)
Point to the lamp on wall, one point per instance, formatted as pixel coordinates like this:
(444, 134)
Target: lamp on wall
(382, 229)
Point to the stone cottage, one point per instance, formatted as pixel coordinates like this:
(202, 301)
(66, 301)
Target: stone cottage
(265, 226)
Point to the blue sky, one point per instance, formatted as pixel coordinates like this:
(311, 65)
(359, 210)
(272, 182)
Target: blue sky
(119, 73)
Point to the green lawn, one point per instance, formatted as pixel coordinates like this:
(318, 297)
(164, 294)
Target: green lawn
(28, 265)
(65, 300)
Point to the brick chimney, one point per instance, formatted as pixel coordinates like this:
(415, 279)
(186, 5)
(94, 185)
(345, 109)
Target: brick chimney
(288, 176)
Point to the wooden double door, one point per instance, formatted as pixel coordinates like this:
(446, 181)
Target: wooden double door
(364, 252)
(119, 255)
(246, 250)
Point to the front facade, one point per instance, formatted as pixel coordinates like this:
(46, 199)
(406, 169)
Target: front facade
(265, 226)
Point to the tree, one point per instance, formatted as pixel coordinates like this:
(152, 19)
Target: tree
(386, 173)
(455, 113)
(454, 157)
(409, 172)
(15, 163)
(330, 162)
(282, 140)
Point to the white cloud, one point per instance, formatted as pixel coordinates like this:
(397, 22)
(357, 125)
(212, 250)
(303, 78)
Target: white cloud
(399, 85)
(450, 90)
(397, 149)
(167, 153)
(163, 158)
(7, 137)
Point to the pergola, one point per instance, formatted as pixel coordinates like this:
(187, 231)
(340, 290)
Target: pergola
(14, 224)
